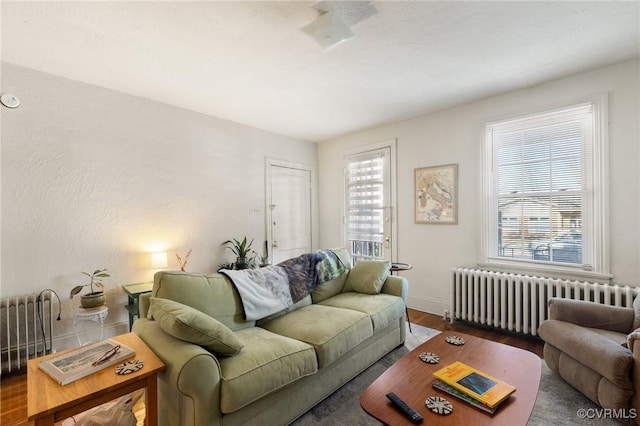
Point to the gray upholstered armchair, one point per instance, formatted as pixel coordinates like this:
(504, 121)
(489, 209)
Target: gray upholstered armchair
(586, 343)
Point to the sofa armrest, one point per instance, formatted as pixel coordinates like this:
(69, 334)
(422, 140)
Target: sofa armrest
(397, 286)
(590, 314)
(190, 369)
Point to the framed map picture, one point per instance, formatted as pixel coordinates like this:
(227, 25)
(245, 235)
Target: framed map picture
(436, 194)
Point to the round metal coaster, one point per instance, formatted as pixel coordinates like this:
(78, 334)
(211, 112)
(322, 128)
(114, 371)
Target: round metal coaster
(455, 340)
(439, 405)
(129, 367)
(429, 358)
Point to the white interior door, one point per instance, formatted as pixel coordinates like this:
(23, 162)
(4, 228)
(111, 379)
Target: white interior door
(289, 213)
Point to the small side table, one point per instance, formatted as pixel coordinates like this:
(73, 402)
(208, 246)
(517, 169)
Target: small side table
(48, 402)
(92, 314)
(133, 296)
(399, 266)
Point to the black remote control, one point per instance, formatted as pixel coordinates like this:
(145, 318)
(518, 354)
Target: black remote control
(406, 410)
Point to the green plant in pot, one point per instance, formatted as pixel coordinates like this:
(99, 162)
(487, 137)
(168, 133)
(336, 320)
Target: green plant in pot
(263, 259)
(96, 297)
(241, 249)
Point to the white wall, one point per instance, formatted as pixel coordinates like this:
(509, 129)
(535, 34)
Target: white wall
(455, 136)
(94, 178)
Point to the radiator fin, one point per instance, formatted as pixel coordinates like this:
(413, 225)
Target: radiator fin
(26, 330)
(518, 302)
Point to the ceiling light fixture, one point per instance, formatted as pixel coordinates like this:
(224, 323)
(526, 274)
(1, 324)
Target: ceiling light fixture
(328, 30)
(331, 27)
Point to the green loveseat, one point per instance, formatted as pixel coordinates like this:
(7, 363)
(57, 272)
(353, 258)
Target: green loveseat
(270, 371)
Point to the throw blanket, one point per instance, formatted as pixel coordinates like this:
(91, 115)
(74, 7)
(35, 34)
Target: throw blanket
(271, 289)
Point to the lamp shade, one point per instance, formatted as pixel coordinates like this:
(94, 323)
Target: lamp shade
(159, 260)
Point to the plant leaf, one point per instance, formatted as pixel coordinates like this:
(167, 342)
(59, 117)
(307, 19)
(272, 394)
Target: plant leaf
(76, 290)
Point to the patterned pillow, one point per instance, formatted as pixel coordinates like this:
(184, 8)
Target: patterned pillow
(636, 309)
(631, 339)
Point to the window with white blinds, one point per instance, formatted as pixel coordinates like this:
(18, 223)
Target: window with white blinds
(544, 175)
(367, 195)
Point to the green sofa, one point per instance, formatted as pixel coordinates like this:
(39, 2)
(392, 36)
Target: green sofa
(270, 371)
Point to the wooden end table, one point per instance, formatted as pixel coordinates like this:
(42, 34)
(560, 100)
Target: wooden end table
(48, 402)
(411, 379)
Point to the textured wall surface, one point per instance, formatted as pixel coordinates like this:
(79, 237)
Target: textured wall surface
(455, 136)
(94, 178)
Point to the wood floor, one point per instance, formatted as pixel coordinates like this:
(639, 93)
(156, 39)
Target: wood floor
(13, 390)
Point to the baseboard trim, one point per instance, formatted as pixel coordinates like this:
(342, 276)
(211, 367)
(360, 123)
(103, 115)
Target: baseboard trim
(431, 306)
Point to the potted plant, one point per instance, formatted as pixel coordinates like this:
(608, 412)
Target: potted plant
(94, 298)
(263, 259)
(241, 249)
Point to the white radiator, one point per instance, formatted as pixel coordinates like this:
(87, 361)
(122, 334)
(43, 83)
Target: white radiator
(519, 302)
(26, 329)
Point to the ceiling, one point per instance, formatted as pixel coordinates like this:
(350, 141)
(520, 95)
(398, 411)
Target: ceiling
(249, 62)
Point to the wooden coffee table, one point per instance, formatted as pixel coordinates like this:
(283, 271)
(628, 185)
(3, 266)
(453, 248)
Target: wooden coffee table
(411, 379)
(48, 402)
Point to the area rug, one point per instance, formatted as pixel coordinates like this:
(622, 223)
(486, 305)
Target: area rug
(557, 402)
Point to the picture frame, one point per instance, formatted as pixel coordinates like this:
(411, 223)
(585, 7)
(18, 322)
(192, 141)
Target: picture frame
(436, 194)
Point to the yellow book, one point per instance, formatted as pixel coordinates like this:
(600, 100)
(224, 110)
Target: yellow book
(475, 383)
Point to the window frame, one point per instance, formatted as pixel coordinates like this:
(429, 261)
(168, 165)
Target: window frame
(598, 214)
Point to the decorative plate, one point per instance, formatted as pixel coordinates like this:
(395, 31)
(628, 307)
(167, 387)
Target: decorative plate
(129, 367)
(455, 340)
(439, 405)
(429, 358)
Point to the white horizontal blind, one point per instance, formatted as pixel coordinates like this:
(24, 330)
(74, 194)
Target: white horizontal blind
(365, 201)
(542, 186)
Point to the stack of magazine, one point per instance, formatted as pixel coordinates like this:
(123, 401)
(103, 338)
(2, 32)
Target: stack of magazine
(86, 360)
(473, 386)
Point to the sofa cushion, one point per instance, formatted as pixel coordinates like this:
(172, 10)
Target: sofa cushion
(331, 331)
(329, 288)
(368, 276)
(299, 304)
(267, 363)
(186, 323)
(596, 351)
(213, 294)
(383, 309)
